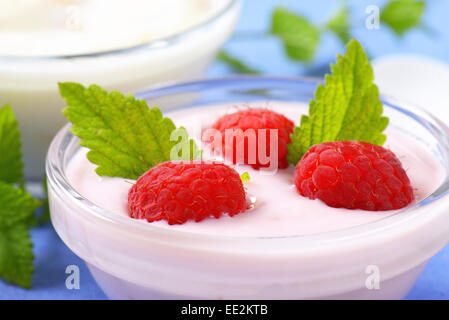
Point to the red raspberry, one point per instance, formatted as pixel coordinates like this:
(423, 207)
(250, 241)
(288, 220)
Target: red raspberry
(353, 175)
(186, 190)
(256, 119)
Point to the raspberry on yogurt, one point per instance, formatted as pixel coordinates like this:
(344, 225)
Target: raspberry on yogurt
(353, 175)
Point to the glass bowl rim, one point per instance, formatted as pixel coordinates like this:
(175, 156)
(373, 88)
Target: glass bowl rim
(58, 180)
(155, 43)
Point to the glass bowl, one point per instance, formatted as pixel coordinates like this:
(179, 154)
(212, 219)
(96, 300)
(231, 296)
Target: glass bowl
(30, 84)
(134, 260)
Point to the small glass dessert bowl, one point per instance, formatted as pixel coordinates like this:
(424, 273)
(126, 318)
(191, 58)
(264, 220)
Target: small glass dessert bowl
(333, 255)
(155, 43)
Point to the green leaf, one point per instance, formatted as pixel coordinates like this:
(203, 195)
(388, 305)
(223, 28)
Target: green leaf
(299, 36)
(347, 107)
(16, 255)
(402, 15)
(339, 24)
(124, 136)
(235, 63)
(16, 205)
(11, 166)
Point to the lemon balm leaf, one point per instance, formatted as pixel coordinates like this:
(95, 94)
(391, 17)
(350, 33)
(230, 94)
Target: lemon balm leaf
(402, 15)
(346, 107)
(125, 136)
(299, 36)
(16, 205)
(16, 255)
(235, 63)
(11, 166)
(339, 24)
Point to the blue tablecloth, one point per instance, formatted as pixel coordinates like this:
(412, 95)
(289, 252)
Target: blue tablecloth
(265, 54)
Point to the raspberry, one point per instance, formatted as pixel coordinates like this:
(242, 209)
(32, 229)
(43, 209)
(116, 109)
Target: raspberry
(256, 119)
(186, 190)
(353, 175)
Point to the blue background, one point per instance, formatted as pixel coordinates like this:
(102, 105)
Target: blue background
(266, 54)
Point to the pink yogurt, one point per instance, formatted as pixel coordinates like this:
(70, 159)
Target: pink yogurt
(279, 210)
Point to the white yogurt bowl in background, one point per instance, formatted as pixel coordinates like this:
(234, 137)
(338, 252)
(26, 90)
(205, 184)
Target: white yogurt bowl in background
(122, 45)
(131, 259)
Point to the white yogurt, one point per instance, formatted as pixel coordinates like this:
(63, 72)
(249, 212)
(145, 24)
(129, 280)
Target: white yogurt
(32, 31)
(72, 27)
(280, 211)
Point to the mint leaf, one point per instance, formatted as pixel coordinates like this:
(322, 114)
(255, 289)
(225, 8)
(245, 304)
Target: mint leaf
(347, 107)
(124, 136)
(15, 205)
(235, 63)
(11, 166)
(339, 24)
(402, 15)
(299, 36)
(16, 255)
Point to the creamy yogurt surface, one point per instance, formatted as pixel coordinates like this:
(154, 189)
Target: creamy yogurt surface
(279, 209)
(71, 27)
